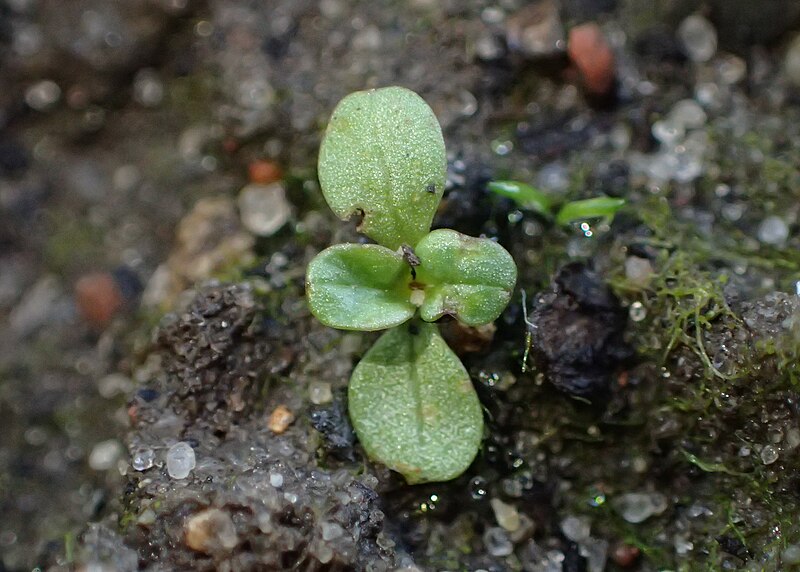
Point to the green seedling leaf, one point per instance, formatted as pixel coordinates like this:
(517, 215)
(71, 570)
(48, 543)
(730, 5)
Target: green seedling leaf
(359, 287)
(469, 278)
(413, 406)
(526, 196)
(589, 208)
(383, 157)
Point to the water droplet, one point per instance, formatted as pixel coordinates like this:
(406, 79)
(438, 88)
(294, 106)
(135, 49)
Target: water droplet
(143, 459)
(596, 497)
(637, 312)
(769, 455)
(477, 488)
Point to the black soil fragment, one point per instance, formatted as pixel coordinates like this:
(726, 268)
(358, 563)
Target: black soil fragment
(577, 330)
(331, 420)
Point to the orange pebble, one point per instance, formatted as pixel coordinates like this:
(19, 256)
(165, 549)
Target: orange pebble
(98, 298)
(590, 52)
(264, 172)
(280, 419)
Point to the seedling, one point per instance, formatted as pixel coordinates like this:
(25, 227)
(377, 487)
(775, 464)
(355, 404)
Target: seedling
(411, 401)
(530, 198)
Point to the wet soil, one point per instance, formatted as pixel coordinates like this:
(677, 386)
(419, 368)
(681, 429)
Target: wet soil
(641, 391)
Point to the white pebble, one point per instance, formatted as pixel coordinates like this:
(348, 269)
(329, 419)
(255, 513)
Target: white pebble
(497, 542)
(668, 132)
(331, 530)
(180, 460)
(276, 480)
(319, 392)
(506, 515)
(264, 208)
(773, 230)
(105, 454)
(576, 528)
(791, 63)
(688, 113)
(148, 88)
(698, 37)
(638, 507)
(638, 270)
(43, 95)
(791, 554)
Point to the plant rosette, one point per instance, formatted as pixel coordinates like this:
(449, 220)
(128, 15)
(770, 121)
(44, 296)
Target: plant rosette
(411, 401)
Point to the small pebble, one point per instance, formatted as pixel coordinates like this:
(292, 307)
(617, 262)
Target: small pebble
(506, 515)
(638, 271)
(319, 392)
(698, 38)
(497, 542)
(638, 507)
(263, 172)
(180, 460)
(210, 531)
(773, 230)
(667, 132)
(732, 69)
(682, 544)
(592, 55)
(536, 30)
(148, 89)
(595, 551)
(331, 530)
(105, 454)
(280, 419)
(791, 554)
(624, 555)
(688, 114)
(576, 528)
(793, 438)
(43, 95)
(147, 518)
(276, 480)
(791, 62)
(264, 209)
(98, 298)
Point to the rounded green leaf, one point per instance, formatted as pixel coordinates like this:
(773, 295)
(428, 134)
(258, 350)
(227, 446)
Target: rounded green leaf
(469, 278)
(413, 406)
(383, 157)
(359, 287)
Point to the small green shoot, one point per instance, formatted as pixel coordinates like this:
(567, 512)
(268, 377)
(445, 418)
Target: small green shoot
(597, 207)
(530, 198)
(526, 196)
(412, 404)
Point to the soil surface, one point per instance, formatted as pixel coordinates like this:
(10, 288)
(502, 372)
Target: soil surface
(167, 402)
